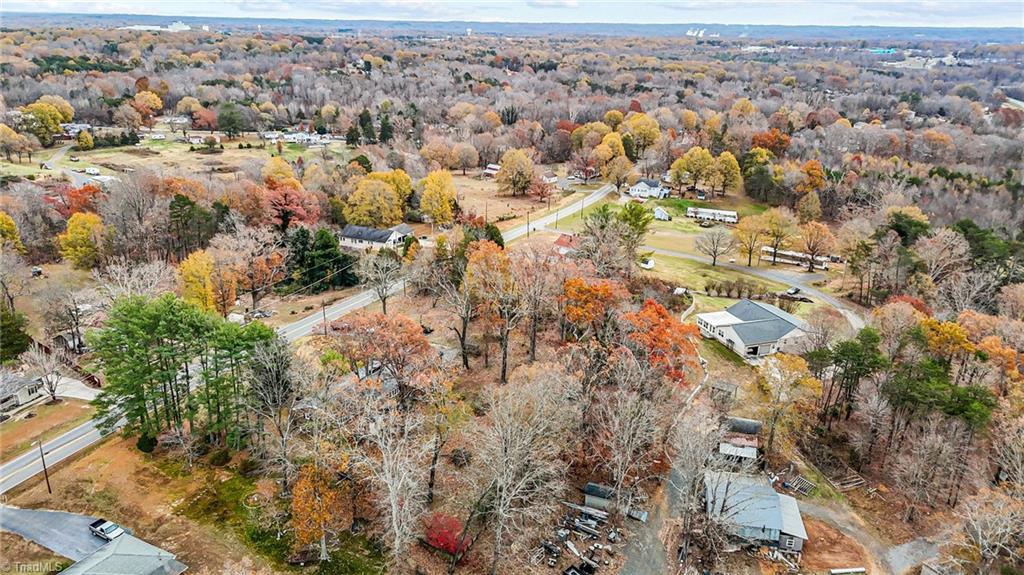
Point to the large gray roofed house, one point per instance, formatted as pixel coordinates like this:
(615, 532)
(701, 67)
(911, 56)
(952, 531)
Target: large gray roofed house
(752, 329)
(127, 555)
(366, 234)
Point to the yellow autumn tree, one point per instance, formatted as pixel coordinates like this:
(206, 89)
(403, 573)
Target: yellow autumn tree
(397, 179)
(195, 280)
(83, 240)
(438, 195)
(373, 203)
(9, 235)
(278, 170)
(786, 393)
(516, 173)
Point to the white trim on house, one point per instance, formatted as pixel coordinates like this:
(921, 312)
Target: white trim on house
(752, 329)
(648, 189)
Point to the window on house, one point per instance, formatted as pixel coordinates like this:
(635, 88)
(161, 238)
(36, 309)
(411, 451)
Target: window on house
(789, 543)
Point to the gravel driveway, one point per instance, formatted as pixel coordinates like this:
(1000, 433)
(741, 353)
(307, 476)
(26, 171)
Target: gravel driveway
(66, 534)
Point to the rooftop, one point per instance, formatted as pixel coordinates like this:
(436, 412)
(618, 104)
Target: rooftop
(750, 501)
(127, 555)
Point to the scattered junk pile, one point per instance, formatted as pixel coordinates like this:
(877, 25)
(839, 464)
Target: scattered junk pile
(586, 533)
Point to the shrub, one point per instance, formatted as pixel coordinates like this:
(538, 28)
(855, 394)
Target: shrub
(441, 532)
(146, 443)
(220, 457)
(248, 467)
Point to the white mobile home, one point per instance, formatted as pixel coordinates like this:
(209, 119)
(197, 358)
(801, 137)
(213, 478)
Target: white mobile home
(707, 214)
(661, 214)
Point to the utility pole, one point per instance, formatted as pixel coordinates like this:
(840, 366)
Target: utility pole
(46, 472)
(323, 308)
(527, 224)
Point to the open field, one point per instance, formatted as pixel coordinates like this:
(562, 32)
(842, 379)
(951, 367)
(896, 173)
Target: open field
(41, 422)
(695, 275)
(480, 196)
(31, 303)
(740, 204)
(293, 307)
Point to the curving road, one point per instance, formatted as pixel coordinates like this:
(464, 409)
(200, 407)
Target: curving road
(20, 469)
(791, 277)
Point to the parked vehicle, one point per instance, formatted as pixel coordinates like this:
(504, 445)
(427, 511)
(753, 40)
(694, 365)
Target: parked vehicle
(793, 291)
(73, 158)
(106, 530)
(92, 171)
(647, 264)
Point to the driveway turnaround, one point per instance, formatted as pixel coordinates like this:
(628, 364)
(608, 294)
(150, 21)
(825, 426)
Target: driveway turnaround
(66, 534)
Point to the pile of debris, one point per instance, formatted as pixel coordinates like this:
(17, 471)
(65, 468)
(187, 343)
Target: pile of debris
(586, 533)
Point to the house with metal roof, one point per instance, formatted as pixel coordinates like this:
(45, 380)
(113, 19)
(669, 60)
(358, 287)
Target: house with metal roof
(753, 512)
(752, 329)
(364, 238)
(16, 391)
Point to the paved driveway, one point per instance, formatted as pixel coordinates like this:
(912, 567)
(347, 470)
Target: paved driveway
(66, 534)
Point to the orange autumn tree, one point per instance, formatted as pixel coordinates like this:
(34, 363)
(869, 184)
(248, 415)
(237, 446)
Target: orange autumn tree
(393, 343)
(666, 342)
(589, 305)
(315, 508)
(489, 277)
(69, 200)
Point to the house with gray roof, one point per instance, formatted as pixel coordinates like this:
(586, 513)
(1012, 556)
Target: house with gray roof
(753, 512)
(364, 238)
(752, 329)
(645, 188)
(16, 391)
(128, 555)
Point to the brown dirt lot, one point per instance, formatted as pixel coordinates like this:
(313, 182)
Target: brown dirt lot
(828, 548)
(116, 481)
(481, 197)
(42, 421)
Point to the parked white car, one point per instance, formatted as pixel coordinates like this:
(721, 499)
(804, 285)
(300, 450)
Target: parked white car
(92, 171)
(106, 529)
(647, 264)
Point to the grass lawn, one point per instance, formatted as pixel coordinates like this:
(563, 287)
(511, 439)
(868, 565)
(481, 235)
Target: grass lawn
(23, 556)
(741, 205)
(23, 169)
(19, 433)
(62, 273)
(574, 222)
(694, 275)
(713, 350)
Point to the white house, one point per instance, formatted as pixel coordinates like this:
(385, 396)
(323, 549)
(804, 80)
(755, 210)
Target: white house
(648, 189)
(16, 391)
(662, 214)
(72, 129)
(726, 216)
(491, 170)
(364, 238)
(752, 329)
(549, 178)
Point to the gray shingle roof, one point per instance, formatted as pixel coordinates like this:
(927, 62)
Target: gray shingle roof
(127, 555)
(762, 323)
(366, 234)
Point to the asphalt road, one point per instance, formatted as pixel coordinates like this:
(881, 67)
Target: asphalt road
(66, 534)
(791, 277)
(22, 468)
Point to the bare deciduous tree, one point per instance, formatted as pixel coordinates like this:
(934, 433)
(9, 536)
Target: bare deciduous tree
(715, 244)
(944, 253)
(521, 445)
(277, 380)
(123, 278)
(380, 272)
(922, 467)
(533, 271)
(45, 367)
(395, 453)
(14, 276)
(967, 290)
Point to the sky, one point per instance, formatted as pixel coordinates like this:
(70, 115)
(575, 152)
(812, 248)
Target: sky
(938, 13)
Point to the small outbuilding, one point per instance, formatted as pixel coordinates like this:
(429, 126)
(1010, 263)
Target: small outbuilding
(598, 496)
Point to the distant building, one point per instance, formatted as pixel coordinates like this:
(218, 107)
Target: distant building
(549, 177)
(72, 129)
(727, 216)
(176, 26)
(794, 258)
(752, 329)
(565, 244)
(648, 189)
(491, 170)
(754, 512)
(365, 238)
(662, 214)
(741, 440)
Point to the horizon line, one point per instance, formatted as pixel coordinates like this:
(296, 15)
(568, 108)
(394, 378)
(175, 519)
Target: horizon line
(440, 21)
